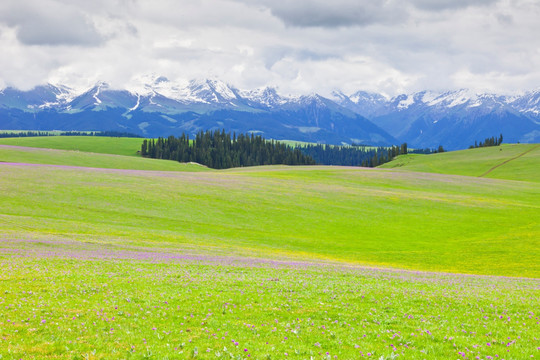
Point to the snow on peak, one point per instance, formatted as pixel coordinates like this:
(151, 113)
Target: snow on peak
(151, 85)
(528, 103)
(405, 101)
(164, 87)
(62, 94)
(340, 96)
(222, 89)
(312, 98)
(153, 89)
(454, 98)
(267, 96)
(427, 96)
(98, 88)
(198, 91)
(211, 91)
(367, 97)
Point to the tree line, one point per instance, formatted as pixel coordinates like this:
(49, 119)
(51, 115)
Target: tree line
(492, 141)
(23, 134)
(355, 155)
(10, 134)
(219, 150)
(101, 133)
(427, 151)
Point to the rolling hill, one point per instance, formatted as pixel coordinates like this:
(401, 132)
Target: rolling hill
(332, 213)
(38, 156)
(98, 144)
(508, 161)
(117, 261)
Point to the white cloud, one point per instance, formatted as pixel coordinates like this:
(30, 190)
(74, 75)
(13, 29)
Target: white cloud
(49, 23)
(299, 46)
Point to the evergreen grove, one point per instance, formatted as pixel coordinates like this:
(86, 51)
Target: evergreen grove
(492, 141)
(353, 155)
(220, 150)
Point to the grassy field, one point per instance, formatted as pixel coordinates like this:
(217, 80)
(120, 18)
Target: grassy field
(508, 161)
(17, 154)
(95, 144)
(399, 219)
(92, 305)
(265, 262)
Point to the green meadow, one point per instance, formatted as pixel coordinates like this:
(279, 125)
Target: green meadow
(508, 161)
(29, 155)
(120, 260)
(94, 144)
(363, 216)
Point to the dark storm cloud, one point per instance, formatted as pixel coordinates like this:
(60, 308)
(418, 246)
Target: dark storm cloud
(346, 13)
(337, 13)
(440, 5)
(49, 23)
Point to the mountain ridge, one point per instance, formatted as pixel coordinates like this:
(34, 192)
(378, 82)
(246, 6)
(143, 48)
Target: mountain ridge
(159, 108)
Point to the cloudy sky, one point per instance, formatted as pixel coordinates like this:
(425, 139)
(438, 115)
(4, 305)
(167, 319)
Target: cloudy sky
(298, 46)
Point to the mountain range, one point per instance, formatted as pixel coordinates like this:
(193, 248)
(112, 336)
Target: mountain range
(160, 108)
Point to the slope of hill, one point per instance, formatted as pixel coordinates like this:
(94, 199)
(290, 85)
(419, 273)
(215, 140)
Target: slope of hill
(332, 213)
(29, 155)
(266, 262)
(95, 144)
(508, 161)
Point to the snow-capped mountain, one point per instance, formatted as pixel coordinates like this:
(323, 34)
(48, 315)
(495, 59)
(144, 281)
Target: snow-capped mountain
(267, 97)
(362, 102)
(41, 97)
(454, 119)
(528, 104)
(160, 107)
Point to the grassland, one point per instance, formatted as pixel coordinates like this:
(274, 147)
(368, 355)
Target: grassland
(94, 144)
(94, 306)
(508, 161)
(265, 262)
(18, 154)
(406, 220)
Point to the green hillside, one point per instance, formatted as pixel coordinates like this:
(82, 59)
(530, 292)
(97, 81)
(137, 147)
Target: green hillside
(362, 216)
(17, 154)
(95, 144)
(262, 263)
(508, 161)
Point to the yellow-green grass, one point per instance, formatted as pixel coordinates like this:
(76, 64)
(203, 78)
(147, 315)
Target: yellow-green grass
(17, 154)
(375, 217)
(508, 161)
(264, 263)
(96, 306)
(95, 144)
